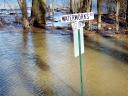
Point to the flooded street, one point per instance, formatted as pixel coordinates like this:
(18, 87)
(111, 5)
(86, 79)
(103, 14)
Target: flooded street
(42, 63)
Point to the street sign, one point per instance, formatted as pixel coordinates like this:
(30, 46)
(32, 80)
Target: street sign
(76, 26)
(77, 17)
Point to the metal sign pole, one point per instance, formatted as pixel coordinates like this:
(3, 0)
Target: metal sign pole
(81, 65)
(77, 26)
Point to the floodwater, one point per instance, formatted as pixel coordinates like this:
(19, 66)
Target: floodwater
(42, 63)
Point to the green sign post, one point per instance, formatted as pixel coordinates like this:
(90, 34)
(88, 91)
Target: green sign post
(77, 26)
(81, 66)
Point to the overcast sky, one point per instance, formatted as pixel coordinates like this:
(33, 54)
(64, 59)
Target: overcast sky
(14, 4)
(11, 3)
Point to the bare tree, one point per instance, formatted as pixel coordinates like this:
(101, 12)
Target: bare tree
(75, 5)
(86, 7)
(99, 10)
(127, 12)
(117, 14)
(71, 10)
(89, 8)
(23, 7)
(38, 13)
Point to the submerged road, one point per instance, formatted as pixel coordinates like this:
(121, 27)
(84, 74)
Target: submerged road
(42, 63)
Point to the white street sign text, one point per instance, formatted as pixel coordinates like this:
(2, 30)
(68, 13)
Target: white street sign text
(77, 17)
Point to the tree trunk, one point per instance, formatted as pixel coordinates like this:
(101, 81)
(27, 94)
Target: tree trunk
(75, 5)
(84, 6)
(109, 5)
(99, 10)
(38, 13)
(117, 15)
(89, 7)
(23, 7)
(127, 13)
(71, 10)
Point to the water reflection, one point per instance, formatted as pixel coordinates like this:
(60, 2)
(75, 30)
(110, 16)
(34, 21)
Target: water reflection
(42, 63)
(49, 48)
(107, 70)
(44, 52)
(108, 48)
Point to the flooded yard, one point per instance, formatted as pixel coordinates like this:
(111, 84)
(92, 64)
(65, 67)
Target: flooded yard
(42, 63)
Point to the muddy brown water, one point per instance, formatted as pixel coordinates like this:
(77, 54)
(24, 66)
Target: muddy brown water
(42, 63)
